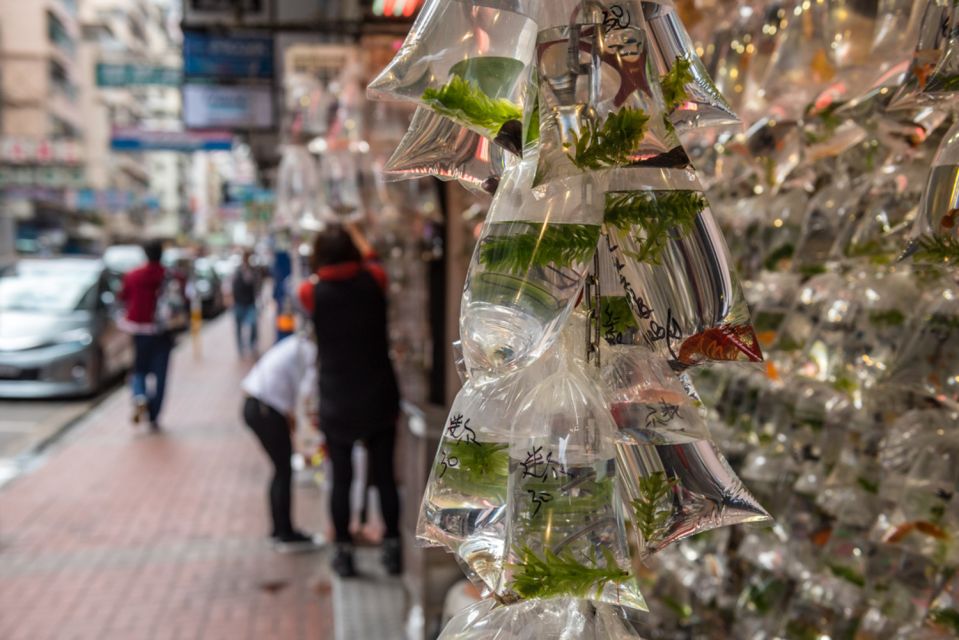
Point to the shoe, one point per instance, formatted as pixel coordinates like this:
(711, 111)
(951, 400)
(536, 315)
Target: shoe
(296, 542)
(154, 426)
(139, 410)
(393, 556)
(342, 563)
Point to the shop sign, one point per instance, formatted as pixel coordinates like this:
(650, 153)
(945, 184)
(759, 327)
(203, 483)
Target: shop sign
(53, 177)
(177, 141)
(226, 12)
(137, 75)
(227, 107)
(234, 57)
(17, 150)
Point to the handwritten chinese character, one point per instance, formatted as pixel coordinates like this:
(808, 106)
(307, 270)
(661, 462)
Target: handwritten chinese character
(459, 429)
(616, 17)
(662, 415)
(538, 498)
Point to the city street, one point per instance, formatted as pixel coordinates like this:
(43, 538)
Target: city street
(120, 533)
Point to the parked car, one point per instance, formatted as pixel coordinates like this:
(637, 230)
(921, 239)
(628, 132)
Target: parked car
(58, 332)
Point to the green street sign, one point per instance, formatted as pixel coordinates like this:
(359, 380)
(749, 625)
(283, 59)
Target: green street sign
(131, 75)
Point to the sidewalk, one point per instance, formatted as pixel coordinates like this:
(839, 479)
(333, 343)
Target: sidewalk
(123, 534)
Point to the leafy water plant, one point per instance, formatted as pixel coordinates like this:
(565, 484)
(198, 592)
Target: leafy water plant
(653, 508)
(658, 213)
(481, 458)
(674, 83)
(539, 245)
(464, 101)
(610, 144)
(561, 574)
(936, 248)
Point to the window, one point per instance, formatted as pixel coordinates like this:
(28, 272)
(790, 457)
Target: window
(60, 81)
(59, 35)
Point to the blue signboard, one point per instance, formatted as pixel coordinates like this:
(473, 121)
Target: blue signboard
(181, 141)
(215, 57)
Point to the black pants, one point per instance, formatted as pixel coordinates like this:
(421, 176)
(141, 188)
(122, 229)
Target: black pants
(273, 431)
(380, 449)
(151, 357)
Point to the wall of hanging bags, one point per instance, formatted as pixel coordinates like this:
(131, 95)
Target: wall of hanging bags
(638, 245)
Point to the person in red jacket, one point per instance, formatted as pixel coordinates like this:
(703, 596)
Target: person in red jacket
(152, 345)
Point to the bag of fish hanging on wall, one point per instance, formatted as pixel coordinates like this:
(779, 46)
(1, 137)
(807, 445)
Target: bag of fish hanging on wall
(436, 146)
(528, 267)
(466, 60)
(566, 535)
(936, 229)
(934, 71)
(675, 482)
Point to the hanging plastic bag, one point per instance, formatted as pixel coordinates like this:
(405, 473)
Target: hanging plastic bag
(464, 503)
(936, 230)
(927, 363)
(675, 268)
(437, 146)
(528, 268)
(340, 177)
(692, 99)
(600, 102)
(936, 29)
(466, 60)
(675, 483)
(296, 189)
(556, 619)
(567, 536)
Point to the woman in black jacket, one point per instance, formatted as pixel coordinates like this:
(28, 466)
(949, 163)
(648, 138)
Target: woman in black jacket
(359, 396)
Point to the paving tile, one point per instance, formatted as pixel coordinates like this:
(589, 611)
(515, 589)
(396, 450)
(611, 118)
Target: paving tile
(125, 534)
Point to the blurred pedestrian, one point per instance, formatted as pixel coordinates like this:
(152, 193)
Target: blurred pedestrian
(155, 310)
(246, 292)
(359, 396)
(272, 389)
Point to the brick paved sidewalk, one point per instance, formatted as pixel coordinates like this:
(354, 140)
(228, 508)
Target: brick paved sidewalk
(124, 534)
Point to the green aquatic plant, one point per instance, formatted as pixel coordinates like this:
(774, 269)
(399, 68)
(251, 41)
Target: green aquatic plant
(482, 458)
(464, 101)
(936, 248)
(554, 575)
(674, 83)
(540, 245)
(653, 508)
(945, 617)
(887, 318)
(658, 213)
(845, 573)
(610, 144)
(616, 318)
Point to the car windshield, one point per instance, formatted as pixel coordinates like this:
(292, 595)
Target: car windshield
(47, 292)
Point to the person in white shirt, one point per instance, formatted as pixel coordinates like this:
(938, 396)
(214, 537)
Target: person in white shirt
(272, 389)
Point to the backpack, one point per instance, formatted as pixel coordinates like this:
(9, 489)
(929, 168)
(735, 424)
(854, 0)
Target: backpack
(172, 312)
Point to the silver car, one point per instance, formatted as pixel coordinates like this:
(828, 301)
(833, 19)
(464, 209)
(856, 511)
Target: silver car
(58, 335)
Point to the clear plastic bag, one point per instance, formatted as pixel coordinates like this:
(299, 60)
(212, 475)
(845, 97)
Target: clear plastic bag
(936, 230)
(600, 102)
(528, 268)
(556, 619)
(675, 482)
(466, 60)
(464, 505)
(437, 146)
(297, 189)
(694, 99)
(567, 535)
(676, 271)
(339, 174)
(936, 27)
